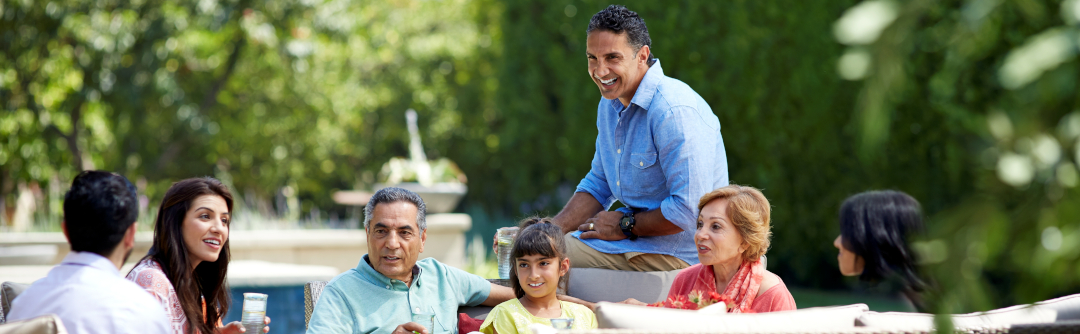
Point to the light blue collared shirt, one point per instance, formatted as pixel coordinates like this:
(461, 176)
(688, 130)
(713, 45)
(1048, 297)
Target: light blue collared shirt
(663, 151)
(362, 300)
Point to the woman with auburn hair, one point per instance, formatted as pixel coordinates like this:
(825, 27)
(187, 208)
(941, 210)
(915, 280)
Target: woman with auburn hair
(188, 261)
(732, 236)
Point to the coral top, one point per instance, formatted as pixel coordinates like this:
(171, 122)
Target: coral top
(777, 298)
(148, 274)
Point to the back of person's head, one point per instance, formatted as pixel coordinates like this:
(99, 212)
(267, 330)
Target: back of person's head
(618, 19)
(170, 251)
(876, 226)
(98, 210)
(538, 236)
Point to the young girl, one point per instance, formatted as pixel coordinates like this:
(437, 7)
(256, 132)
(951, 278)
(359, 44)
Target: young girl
(540, 268)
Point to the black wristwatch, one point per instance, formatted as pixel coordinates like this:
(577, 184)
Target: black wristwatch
(627, 225)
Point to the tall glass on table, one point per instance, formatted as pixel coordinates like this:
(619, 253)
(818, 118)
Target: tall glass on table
(504, 239)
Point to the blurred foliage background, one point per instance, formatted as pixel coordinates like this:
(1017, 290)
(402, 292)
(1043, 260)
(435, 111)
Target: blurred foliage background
(969, 106)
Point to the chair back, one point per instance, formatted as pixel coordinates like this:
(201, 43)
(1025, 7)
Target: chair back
(312, 290)
(8, 292)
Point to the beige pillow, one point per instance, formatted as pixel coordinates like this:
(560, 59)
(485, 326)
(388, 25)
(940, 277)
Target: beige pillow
(8, 292)
(610, 315)
(46, 324)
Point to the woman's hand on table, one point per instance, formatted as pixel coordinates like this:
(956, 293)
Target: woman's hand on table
(237, 327)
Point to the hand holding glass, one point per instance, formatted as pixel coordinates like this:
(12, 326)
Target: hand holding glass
(253, 313)
(504, 242)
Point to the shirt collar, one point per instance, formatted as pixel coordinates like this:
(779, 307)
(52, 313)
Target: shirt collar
(90, 260)
(647, 88)
(375, 277)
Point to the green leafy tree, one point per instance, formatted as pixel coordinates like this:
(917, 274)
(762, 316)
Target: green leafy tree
(994, 86)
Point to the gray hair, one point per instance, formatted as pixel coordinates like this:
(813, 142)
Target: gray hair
(391, 195)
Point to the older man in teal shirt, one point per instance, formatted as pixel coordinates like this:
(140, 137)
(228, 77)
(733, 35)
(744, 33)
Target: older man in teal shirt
(389, 291)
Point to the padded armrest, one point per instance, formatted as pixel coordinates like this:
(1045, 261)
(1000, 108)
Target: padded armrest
(46, 324)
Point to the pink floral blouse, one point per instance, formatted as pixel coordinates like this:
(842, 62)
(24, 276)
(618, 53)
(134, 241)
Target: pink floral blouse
(148, 274)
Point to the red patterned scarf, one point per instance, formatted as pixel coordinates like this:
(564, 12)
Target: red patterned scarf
(741, 290)
(743, 287)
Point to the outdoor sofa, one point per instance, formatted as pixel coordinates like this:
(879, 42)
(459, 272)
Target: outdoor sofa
(1060, 315)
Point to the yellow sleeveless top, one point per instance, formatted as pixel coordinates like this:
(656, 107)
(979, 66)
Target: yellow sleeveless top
(511, 317)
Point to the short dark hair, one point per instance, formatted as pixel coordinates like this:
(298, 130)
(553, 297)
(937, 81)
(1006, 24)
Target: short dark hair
(618, 19)
(876, 225)
(98, 209)
(538, 236)
(392, 195)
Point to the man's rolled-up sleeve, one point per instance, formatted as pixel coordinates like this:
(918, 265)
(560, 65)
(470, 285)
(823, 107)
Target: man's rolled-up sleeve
(686, 148)
(332, 314)
(595, 182)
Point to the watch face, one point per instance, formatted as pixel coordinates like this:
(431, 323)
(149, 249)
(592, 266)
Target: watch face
(625, 222)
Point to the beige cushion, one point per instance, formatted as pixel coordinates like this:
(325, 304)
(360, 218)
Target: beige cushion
(610, 315)
(8, 292)
(46, 324)
(596, 285)
(1058, 309)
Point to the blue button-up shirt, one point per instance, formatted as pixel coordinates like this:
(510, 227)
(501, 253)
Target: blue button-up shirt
(362, 300)
(663, 151)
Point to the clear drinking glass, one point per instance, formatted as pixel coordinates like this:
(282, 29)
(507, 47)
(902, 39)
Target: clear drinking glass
(504, 237)
(562, 323)
(425, 319)
(253, 313)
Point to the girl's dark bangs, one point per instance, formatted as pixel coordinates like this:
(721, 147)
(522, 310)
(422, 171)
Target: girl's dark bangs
(532, 242)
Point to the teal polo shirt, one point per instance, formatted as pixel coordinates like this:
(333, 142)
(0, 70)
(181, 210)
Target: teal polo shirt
(362, 300)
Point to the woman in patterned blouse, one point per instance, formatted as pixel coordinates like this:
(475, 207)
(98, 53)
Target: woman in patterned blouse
(187, 263)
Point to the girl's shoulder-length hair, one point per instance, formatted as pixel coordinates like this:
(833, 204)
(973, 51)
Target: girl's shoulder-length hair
(538, 236)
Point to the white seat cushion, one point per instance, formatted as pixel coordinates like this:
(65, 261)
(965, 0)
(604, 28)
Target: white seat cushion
(1058, 309)
(610, 315)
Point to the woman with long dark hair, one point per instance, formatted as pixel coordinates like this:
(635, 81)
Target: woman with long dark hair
(874, 240)
(188, 261)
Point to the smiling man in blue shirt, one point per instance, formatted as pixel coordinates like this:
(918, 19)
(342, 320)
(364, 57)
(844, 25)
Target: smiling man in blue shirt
(658, 151)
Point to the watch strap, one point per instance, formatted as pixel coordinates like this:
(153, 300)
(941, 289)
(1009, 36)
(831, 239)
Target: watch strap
(627, 229)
